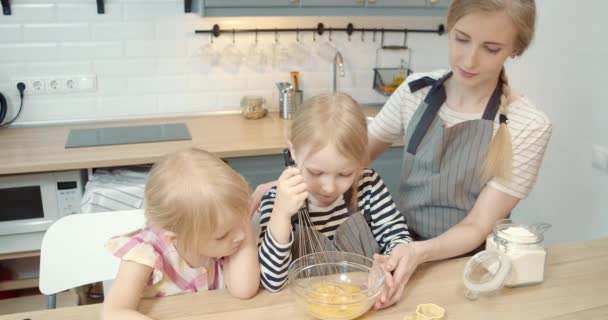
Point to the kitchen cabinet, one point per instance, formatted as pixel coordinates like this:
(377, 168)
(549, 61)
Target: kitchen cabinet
(226, 8)
(388, 166)
(251, 4)
(332, 3)
(442, 4)
(258, 169)
(262, 169)
(397, 3)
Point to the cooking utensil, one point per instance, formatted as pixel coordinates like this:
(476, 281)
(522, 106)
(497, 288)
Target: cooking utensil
(289, 99)
(295, 80)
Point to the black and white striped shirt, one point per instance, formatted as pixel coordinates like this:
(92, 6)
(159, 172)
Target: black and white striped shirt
(387, 225)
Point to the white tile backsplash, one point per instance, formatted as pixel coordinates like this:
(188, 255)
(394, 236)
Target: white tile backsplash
(60, 109)
(123, 31)
(88, 12)
(147, 10)
(149, 62)
(124, 67)
(43, 12)
(112, 86)
(90, 50)
(10, 33)
(172, 30)
(175, 66)
(56, 32)
(160, 85)
(9, 70)
(188, 103)
(234, 83)
(162, 49)
(141, 105)
(57, 68)
(25, 52)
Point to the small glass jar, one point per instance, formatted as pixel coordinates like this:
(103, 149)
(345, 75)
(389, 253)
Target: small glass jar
(252, 107)
(524, 245)
(515, 256)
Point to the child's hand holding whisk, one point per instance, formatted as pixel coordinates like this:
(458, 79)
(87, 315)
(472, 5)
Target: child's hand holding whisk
(291, 195)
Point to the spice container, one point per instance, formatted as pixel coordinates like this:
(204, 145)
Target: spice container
(515, 256)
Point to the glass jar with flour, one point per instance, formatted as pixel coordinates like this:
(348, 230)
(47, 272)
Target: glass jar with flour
(524, 245)
(515, 256)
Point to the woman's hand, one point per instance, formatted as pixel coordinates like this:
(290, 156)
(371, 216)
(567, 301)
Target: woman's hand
(257, 195)
(399, 265)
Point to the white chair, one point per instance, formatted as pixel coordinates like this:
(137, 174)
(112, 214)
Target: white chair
(73, 252)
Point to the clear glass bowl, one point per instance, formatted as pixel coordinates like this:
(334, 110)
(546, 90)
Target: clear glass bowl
(335, 285)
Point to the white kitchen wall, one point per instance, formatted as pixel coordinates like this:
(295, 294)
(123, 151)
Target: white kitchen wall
(148, 61)
(563, 72)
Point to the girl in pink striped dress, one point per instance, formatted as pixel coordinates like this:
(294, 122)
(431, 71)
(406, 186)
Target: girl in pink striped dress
(198, 236)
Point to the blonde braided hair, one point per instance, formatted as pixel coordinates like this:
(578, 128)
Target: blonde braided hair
(499, 160)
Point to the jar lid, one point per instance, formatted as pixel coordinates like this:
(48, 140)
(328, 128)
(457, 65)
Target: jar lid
(253, 98)
(486, 272)
(520, 233)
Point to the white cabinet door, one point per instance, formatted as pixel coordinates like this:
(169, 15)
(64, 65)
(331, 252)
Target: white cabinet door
(333, 3)
(250, 3)
(396, 3)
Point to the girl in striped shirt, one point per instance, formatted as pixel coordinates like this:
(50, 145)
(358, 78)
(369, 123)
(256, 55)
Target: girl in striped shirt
(198, 236)
(350, 207)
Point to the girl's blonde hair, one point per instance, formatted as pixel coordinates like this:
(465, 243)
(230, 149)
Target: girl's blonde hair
(499, 159)
(337, 120)
(191, 193)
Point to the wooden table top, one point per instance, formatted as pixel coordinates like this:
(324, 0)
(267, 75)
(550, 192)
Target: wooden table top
(575, 287)
(42, 149)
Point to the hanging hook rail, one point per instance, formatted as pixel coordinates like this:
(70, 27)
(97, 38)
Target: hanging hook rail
(320, 29)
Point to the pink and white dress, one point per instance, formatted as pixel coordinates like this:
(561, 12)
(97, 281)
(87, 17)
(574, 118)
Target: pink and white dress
(171, 275)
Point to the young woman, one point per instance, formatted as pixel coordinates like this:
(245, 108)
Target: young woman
(473, 147)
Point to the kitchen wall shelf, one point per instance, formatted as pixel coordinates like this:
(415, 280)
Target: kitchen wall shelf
(216, 31)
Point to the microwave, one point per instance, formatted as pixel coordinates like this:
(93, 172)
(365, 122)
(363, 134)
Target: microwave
(30, 203)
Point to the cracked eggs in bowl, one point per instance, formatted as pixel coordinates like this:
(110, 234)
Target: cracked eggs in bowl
(335, 285)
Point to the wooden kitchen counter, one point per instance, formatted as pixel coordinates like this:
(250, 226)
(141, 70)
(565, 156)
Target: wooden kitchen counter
(575, 287)
(40, 149)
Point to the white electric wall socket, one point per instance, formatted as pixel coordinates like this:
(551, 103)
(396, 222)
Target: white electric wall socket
(599, 158)
(58, 84)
